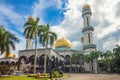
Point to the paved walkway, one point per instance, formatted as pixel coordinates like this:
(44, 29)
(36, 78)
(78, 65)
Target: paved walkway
(93, 77)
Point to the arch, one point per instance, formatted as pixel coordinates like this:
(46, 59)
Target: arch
(62, 56)
(67, 59)
(31, 59)
(2, 63)
(12, 63)
(7, 63)
(41, 60)
(23, 60)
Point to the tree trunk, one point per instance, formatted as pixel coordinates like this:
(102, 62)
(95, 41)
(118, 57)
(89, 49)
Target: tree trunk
(35, 54)
(45, 57)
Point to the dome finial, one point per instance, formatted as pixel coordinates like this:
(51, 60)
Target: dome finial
(86, 6)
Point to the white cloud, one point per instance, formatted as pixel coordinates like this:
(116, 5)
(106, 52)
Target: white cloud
(102, 10)
(14, 17)
(41, 5)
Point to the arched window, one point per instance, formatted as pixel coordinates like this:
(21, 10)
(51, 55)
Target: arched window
(22, 60)
(31, 59)
(67, 59)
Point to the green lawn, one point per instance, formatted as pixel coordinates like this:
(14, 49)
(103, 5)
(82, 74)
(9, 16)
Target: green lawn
(23, 78)
(17, 78)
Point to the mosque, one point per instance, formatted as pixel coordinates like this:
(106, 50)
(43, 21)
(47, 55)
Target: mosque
(62, 52)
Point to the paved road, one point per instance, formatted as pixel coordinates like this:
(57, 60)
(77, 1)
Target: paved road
(93, 77)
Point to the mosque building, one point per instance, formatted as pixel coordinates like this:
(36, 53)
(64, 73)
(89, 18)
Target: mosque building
(9, 59)
(62, 52)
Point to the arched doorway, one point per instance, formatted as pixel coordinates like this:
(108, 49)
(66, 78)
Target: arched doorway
(41, 62)
(22, 60)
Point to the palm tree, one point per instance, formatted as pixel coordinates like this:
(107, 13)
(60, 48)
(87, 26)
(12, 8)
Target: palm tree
(47, 37)
(2, 30)
(107, 56)
(31, 31)
(116, 59)
(95, 55)
(116, 51)
(7, 41)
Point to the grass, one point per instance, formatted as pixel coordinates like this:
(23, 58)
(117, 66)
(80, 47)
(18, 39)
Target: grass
(25, 78)
(17, 78)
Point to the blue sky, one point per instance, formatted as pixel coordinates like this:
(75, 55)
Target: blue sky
(65, 19)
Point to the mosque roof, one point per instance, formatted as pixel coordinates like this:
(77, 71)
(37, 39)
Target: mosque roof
(63, 43)
(10, 55)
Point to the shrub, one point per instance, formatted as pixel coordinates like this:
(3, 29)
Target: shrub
(61, 73)
(4, 69)
(55, 73)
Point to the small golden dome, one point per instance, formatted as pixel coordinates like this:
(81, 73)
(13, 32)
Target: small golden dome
(86, 6)
(63, 42)
(31, 18)
(10, 55)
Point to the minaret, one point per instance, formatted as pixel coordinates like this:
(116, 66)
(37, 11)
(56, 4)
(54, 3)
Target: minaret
(29, 42)
(87, 38)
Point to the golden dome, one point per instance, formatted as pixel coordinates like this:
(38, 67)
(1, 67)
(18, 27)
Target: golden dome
(10, 55)
(63, 42)
(31, 18)
(86, 6)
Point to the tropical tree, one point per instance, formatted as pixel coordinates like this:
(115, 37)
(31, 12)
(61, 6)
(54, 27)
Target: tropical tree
(7, 41)
(88, 59)
(77, 57)
(47, 37)
(116, 51)
(116, 59)
(94, 56)
(107, 56)
(31, 31)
